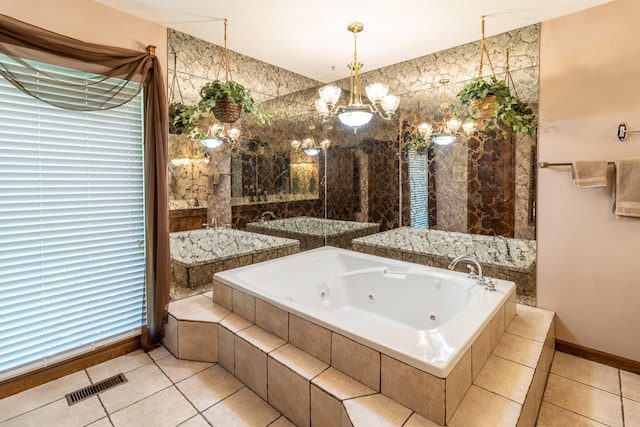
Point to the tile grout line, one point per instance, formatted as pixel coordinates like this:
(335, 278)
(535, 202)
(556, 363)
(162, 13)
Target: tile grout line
(621, 396)
(588, 385)
(573, 412)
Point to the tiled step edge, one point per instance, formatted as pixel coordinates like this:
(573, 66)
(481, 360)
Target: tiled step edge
(510, 385)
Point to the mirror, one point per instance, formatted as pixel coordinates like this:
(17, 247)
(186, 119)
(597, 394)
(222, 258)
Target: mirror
(478, 185)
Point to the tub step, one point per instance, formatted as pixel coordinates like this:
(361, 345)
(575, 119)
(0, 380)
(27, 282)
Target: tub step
(287, 364)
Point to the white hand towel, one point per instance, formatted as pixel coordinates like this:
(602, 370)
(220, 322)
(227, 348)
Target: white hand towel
(590, 173)
(627, 195)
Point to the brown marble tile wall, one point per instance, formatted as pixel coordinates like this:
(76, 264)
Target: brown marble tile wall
(251, 213)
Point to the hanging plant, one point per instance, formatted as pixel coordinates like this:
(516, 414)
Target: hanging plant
(186, 120)
(492, 101)
(226, 100)
(507, 112)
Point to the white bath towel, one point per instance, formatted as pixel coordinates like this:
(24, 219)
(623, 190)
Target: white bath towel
(590, 173)
(627, 188)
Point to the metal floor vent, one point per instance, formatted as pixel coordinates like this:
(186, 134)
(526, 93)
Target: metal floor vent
(86, 392)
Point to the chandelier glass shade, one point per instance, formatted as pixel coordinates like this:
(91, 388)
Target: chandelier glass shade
(216, 136)
(357, 113)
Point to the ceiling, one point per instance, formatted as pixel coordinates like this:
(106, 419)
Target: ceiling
(310, 37)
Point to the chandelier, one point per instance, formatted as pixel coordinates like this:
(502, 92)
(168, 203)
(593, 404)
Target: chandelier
(448, 130)
(357, 113)
(309, 146)
(216, 136)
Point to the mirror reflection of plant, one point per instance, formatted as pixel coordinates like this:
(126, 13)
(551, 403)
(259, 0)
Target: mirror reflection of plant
(186, 119)
(509, 113)
(416, 141)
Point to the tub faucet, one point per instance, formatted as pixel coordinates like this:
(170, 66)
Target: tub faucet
(214, 224)
(265, 213)
(481, 280)
(506, 245)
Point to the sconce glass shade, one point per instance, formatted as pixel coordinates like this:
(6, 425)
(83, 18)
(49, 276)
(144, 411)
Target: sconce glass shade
(452, 125)
(469, 127)
(329, 95)
(390, 103)
(234, 133)
(425, 129)
(376, 91)
(355, 116)
(443, 139)
(295, 144)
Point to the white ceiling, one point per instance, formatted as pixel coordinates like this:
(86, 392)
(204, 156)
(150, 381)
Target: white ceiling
(310, 37)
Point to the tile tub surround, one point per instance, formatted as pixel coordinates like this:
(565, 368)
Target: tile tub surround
(438, 248)
(505, 378)
(311, 232)
(197, 254)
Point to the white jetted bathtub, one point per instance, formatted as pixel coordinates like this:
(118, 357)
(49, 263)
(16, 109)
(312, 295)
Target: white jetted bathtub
(426, 317)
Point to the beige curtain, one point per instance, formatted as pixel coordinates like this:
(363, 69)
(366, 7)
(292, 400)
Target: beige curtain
(110, 84)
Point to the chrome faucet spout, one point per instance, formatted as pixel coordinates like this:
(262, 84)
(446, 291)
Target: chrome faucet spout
(506, 245)
(481, 280)
(265, 213)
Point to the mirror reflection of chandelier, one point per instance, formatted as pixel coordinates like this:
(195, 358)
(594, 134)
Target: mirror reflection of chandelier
(357, 113)
(447, 131)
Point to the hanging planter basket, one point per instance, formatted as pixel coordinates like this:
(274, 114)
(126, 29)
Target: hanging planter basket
(483, 109)
(226, 110)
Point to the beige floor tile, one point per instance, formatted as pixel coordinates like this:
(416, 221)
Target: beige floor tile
(356, 360)
(630, 385)
(198, 341)
(413, 388)
(197, 421)
(310, 338)
(208, 294)
(326, 410)
(244, 408)
(481, 408)
(261, 339)
(340, 385)
(289, 393)
(44, 394)
(529, 328)
(534, 313)
(159, 353)
(519, 349)
(141, 383)
(124, 364)
(417, 420)
(102, 422)
(631, 412)
(376, 410)
(251, 366)
(297, 360)
(184, 308)
(282, 422)
(59, 413)
(208, 387)
(587, 372)
(506, 378)
(177, 370)
(235, 323)
(554, 416)
(588, 401)
(166, 408)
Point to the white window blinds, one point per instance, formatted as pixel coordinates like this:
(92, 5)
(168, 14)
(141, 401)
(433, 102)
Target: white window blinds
(72, 261)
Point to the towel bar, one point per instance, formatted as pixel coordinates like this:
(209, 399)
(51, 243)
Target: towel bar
(547, 164)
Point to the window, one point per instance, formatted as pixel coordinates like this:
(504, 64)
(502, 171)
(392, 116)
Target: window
(72, 259)
(418, 187)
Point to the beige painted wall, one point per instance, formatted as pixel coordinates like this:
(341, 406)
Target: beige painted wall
(589, 260)
(91, 22)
